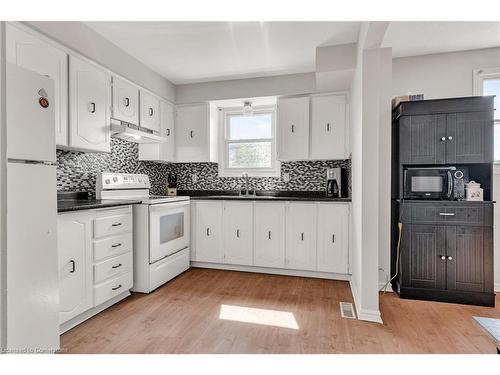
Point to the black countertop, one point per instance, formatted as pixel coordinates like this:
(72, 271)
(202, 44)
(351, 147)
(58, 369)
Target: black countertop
(261, 195)
(78, 200)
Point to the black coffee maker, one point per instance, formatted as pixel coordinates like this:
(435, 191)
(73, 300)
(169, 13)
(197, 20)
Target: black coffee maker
(336, 182)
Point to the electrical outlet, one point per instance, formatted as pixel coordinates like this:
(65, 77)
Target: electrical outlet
(194, 178)
(286, 177)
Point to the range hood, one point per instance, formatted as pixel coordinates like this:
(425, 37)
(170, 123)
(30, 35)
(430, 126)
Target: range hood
(133, 133)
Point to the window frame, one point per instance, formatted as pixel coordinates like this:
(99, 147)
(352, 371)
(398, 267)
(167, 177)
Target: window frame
(224, 170)
(479, 75)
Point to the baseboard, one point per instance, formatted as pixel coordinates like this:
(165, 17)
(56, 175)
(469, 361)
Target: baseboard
(273, 271)
(497, 287)
(66, 326)
(364, 314)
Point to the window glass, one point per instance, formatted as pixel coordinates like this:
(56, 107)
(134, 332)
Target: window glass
(250, 127)
(250, 155)
(492, 87)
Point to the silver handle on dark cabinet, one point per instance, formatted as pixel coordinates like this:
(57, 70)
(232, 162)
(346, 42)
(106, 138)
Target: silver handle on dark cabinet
(117, 265)
(92, 107)
(73, 266)
(443, 257)
(116, 245)
(126, 102)
(117, 287)
(450, 137)
(446, 214)
(450, 258)
(443, 139)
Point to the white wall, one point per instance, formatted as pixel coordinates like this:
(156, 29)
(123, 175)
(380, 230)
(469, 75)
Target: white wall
(441, 75)
(3, 202)
(81, 38)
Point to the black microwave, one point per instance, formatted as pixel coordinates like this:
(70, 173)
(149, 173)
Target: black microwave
(446, 183)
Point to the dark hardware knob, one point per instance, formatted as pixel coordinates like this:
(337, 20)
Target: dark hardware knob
(208, 231)
(151, 111)
(117, 287)
(116, 245)
(293, 128)
(333, 238)
(238, 233)
(73, 266)
(168, 132)
(92, 107)
(302, 236)
(269, 234)
(117, 265)
(328, 127)
(191, 133)
(126, 102)
(116, 224)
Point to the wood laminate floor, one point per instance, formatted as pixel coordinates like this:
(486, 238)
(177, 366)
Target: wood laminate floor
(213, 311)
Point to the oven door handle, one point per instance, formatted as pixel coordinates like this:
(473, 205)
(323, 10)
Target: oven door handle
(167, 206)
(450, 185)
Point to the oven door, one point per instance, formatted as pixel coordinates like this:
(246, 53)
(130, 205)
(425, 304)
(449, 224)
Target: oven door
(169, 229)
(428, 183)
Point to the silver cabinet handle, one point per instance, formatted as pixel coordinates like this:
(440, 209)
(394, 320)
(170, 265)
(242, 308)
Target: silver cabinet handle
(92, 107)
(443, 139)
(117, 287)
(443, 257)
(116, 224)
(117, 265)
(450, 258)
(446, 214)
(116, 245)
(73, 266)
(126, 102)
(450, 137)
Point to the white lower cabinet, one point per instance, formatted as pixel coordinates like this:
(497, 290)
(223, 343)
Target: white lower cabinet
(238, 233)
(208, 232)
(297, 236)
(269, 235)
(333, 240)
(95, 260)
(74, 244)
(301, 236)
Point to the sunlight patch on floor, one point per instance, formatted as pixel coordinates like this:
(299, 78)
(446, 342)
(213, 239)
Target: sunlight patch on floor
(283, 319)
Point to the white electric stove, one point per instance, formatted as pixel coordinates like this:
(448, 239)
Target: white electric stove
(161, 228)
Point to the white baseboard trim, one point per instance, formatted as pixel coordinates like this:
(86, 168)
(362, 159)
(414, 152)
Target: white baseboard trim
(497, 287)
(66, 326)
(273, 271)
(364, 314)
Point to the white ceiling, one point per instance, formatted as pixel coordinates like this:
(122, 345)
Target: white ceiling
(423, 38)
(187, 52)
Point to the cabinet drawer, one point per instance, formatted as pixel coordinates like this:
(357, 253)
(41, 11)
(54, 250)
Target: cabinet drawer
(112, 246)
(444, 214)
(112, 288)
(113, 224)
(112, 267)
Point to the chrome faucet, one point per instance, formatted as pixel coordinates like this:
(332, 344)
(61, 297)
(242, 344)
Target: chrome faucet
(247, 184)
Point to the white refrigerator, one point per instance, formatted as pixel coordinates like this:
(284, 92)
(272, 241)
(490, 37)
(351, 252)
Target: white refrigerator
(32, 289)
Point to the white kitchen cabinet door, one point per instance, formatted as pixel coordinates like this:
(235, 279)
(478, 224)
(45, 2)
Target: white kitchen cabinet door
(238, 233)
(150, 111)
(293, 128)
(90, 103)
(333, 237)
(192, 135)
(269, 235)
(301, 236)
(328, 127)
(165, 151)
(125, 101)
(209, 238)
(74, 245)
(26, 50)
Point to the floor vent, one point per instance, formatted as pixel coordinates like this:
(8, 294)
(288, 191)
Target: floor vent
(347, 310)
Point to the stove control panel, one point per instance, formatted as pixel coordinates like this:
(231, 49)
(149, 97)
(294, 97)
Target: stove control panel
(114, 181)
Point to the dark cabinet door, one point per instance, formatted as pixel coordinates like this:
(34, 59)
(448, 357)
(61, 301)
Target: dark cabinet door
(469, 137)
(423, 247)
(422, 139)
(465, 258)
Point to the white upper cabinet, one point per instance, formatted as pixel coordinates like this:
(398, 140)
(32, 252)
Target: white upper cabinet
(293, 128)
(301, 236)
(333, 237)
(269, 235)
(238, 233)
(192, 136)
(150, 111)
(90, 103)
(125, 101)
(328, 127)
(208, 232)
(27, 51)
(165, 151)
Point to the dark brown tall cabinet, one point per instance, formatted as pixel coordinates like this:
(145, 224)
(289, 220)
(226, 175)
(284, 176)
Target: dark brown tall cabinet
(446, 251)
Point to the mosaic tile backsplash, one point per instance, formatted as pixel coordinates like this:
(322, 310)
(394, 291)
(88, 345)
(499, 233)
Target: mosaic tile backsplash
(78, 170)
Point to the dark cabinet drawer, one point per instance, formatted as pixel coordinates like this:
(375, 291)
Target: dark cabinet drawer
(456, 213)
